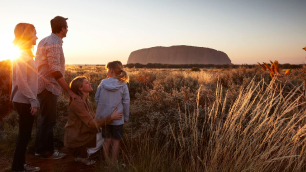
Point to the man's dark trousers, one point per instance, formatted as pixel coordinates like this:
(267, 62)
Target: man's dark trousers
(44, 138)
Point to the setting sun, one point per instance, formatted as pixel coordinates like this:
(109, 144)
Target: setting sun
(9, 52)
(12, 52)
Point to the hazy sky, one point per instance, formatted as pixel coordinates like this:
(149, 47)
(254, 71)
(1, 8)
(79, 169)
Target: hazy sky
(101, 31)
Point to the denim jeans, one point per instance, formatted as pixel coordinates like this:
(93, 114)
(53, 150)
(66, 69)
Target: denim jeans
(24, 134)
(44, 138)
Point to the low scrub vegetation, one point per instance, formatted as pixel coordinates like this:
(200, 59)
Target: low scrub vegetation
(212, 120)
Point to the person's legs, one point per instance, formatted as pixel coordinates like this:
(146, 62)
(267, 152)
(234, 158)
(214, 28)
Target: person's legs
(117, 135)
(81, 153)
(25, 128)
(107, 140)
(106, 146)
(44, 139)
(115, 149)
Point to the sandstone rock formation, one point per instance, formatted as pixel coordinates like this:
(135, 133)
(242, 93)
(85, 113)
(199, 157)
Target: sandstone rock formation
(180, 54)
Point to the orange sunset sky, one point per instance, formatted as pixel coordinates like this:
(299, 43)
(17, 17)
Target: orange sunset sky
(103, 31)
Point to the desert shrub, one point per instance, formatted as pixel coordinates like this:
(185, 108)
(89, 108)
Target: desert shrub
(5, 87)
(10, 128)
(262, 130)
(10, 132)
(173, 93)
(160, 105)
(196, 69)
(238, 120)
(241, 76)
(176, 81)
(140, 81)
(61, 120)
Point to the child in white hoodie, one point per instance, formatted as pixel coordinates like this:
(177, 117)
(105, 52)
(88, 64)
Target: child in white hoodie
(113, 92)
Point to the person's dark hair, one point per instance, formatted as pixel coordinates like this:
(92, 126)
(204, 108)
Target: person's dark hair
(75, 85)
(57, 23)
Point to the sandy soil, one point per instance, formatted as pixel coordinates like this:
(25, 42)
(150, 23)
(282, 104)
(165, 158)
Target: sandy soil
(65, 164)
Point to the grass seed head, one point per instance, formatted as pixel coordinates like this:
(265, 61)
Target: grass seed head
(263, 68)
(288, 71)
(276, 67)
(272, 68)
(271, 62)
(267, 66)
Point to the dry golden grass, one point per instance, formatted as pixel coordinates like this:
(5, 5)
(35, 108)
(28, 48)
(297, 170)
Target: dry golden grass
(236, 123)
(262, 131)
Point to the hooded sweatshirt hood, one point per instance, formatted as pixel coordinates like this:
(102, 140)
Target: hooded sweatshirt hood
(112, 84)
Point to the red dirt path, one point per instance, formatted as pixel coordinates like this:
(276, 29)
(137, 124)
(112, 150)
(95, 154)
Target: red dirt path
(65, 164)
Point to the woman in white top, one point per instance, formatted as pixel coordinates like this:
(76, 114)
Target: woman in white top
(24, 92)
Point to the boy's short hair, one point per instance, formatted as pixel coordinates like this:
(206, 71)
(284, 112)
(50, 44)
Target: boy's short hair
(57, 23)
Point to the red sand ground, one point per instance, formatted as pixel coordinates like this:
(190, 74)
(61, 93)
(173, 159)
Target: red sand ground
(65, 164)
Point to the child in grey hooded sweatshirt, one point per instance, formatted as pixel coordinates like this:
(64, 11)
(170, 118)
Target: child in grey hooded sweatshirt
(113, 92)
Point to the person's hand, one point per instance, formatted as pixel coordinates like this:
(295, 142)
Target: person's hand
(33, 110)
(116, 115)
(74, 96)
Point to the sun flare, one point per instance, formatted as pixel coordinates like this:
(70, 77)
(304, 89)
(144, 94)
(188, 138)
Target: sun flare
(9, 52)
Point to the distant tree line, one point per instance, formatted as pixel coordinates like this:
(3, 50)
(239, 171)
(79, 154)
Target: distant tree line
(208, 66)
(291, 66)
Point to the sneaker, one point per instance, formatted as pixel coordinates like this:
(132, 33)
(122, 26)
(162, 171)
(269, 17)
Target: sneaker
(56, 155)
(28, 167)
(85, 161)
(123, 165)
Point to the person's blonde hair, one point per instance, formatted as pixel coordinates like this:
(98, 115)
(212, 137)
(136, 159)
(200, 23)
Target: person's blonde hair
(117, 66)
(75, 86)
(23, 37)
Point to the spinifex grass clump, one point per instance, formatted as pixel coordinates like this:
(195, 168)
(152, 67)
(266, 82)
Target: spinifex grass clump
(263, 130)
(259, 133)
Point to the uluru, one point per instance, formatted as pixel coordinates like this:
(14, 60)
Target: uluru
(179, 54)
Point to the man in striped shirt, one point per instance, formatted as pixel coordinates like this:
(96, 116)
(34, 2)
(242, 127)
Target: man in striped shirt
(50, 61)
